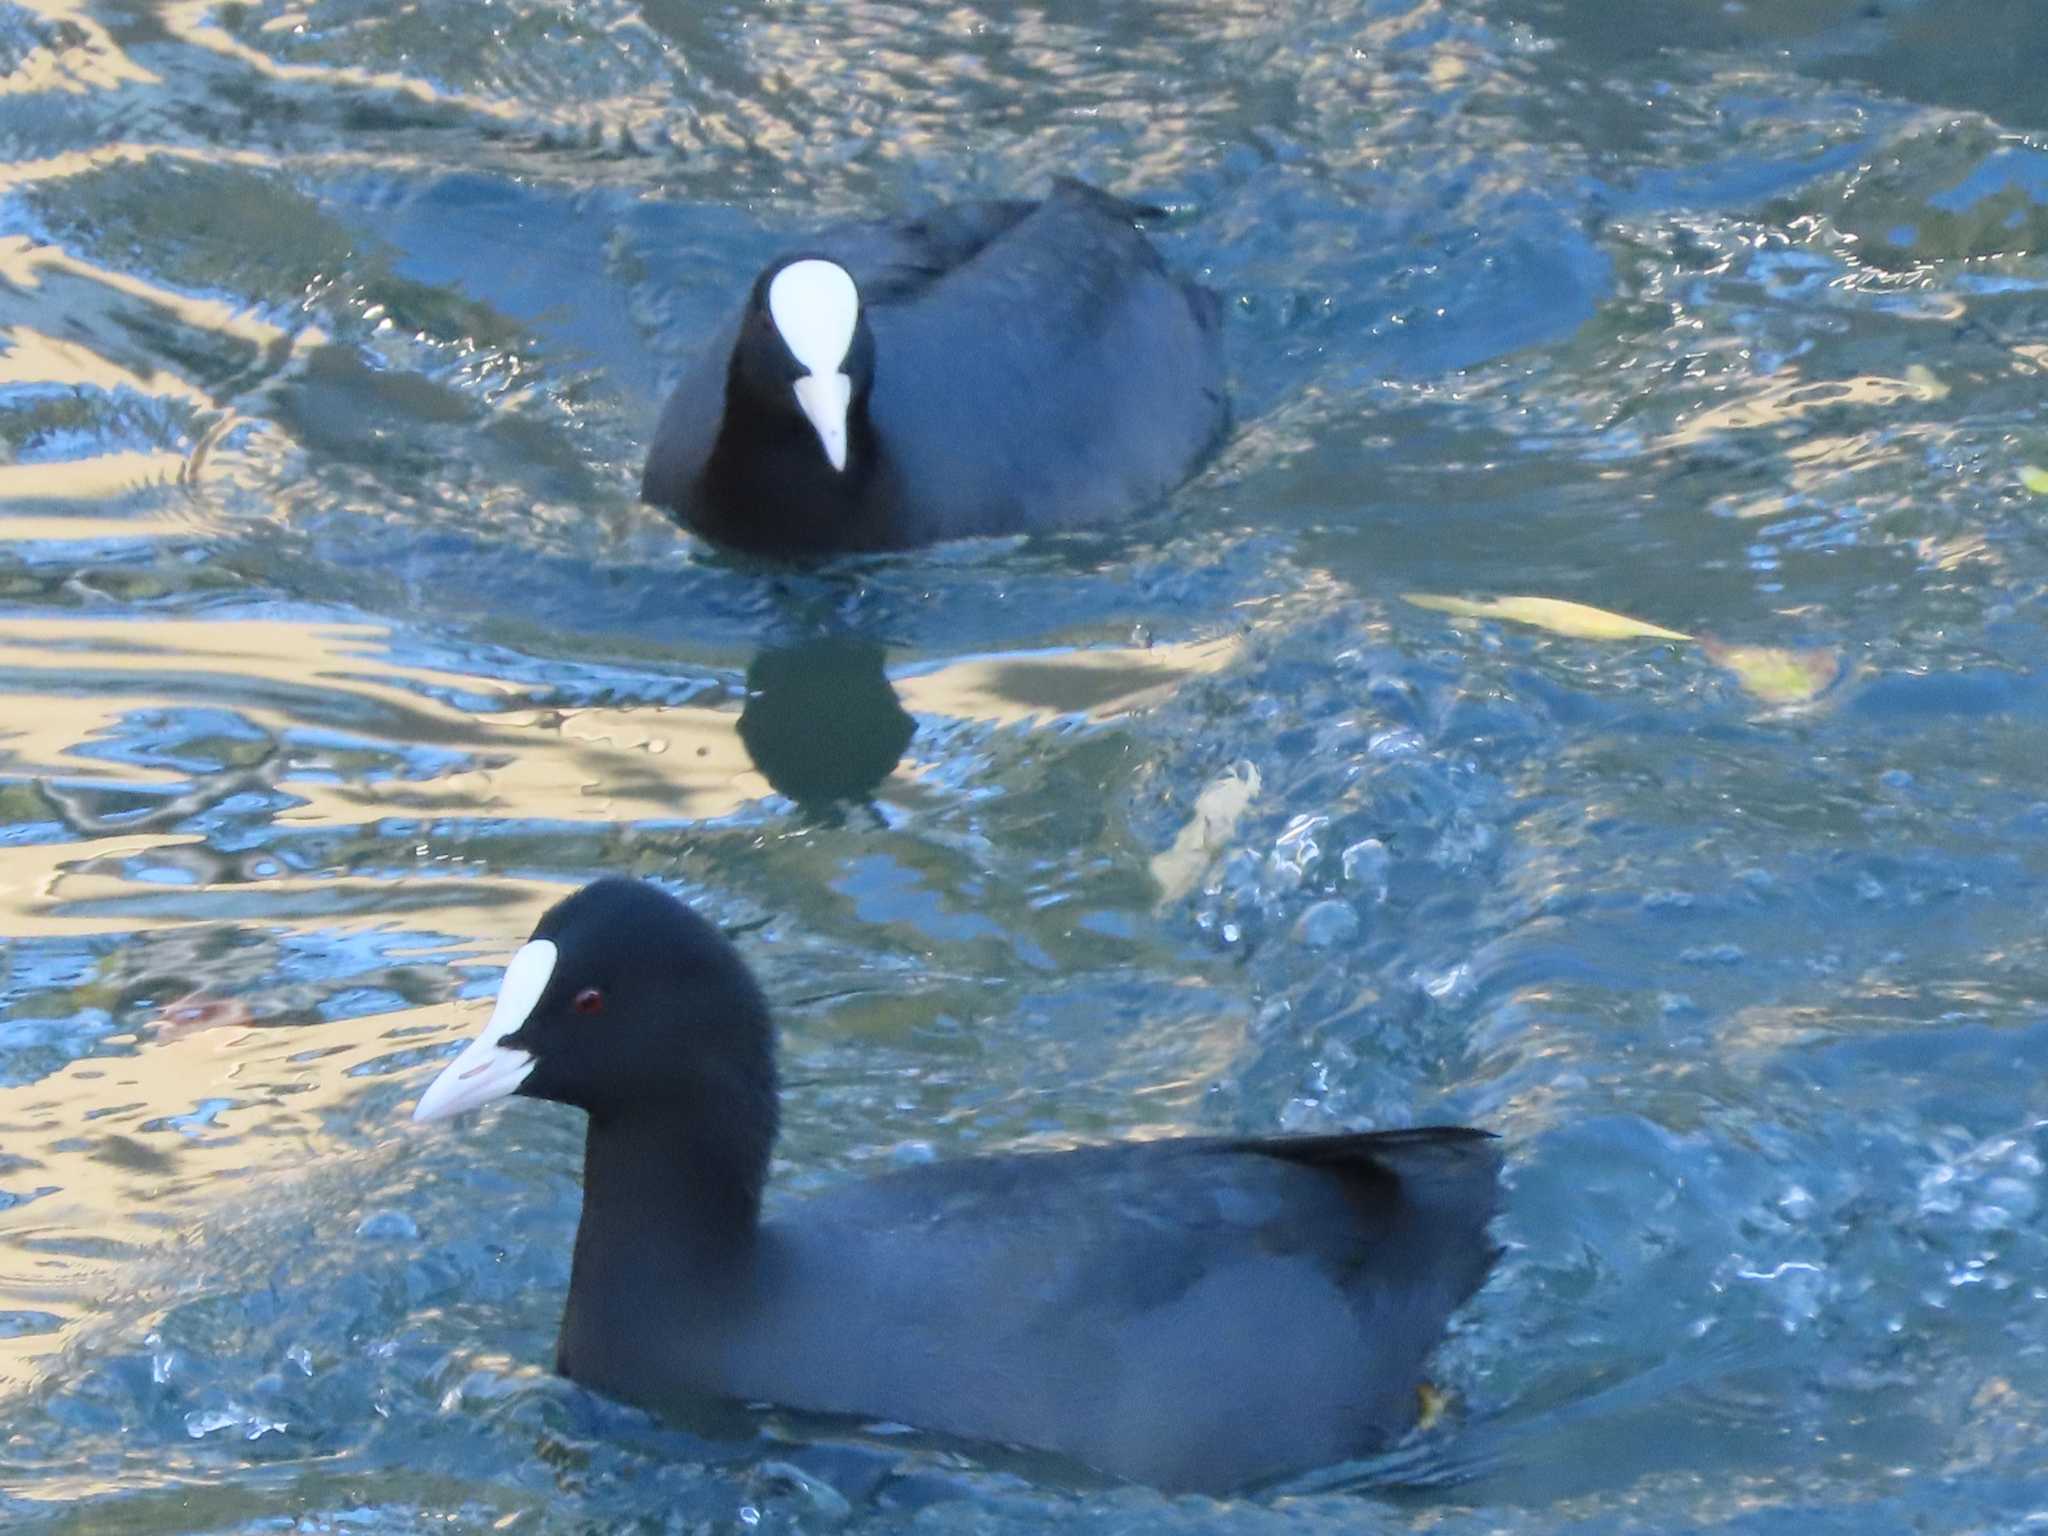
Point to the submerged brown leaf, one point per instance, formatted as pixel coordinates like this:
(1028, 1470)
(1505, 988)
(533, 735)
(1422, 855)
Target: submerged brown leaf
(196, 1011)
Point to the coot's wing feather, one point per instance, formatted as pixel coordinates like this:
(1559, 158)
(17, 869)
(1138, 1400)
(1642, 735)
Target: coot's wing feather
(688, 426)
(1194, 1192)
(1197, 1313)
(1062, 375)
(894, 260)
(1444, 1178)
(1109, 202)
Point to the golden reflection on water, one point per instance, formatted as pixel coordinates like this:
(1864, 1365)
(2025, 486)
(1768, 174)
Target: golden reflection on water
(194, 22)
(105, 482)
(28, 356)
(518, 761)
(88, 59)
(16, 174)
(1096, 684)
(101, 477)
(24, 263)
(62, 529)
(1788, 395)
(96, 304)
(76, 678)
(122, 1186)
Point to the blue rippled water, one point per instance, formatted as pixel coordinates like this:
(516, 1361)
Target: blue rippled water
(334, 646)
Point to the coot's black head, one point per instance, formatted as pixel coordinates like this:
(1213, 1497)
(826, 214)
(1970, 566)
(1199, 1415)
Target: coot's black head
(805, 355)
(624, 1001)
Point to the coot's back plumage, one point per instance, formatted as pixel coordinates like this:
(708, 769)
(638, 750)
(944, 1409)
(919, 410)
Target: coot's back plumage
(1195, 1313)
(1035, 365)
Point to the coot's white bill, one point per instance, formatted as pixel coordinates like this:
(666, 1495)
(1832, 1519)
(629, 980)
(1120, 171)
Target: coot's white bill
(823, 398)
(487, 1070)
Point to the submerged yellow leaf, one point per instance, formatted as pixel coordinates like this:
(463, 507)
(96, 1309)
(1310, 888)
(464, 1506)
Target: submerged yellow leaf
(1925, 384)
(1431, 1403)
(1218, 809)
(2034, 478)
(1577, 620)
(1774, 673)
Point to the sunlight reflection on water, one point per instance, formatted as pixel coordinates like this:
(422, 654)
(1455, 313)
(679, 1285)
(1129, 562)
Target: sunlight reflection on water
(333, 647)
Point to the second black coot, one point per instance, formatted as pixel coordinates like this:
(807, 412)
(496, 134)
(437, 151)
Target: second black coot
(988, 368)
(1198, 1314)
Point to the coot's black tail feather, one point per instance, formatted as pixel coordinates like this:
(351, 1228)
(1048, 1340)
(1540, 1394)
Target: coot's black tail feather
(1453, 1143)
(897, 259)
(1453, 1170)
(1438, 1187)
(1206, 303)
(1122, 207)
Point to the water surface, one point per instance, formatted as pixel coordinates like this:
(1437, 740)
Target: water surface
(334, 646)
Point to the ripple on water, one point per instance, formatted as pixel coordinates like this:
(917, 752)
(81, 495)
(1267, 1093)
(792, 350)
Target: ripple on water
(334, 648)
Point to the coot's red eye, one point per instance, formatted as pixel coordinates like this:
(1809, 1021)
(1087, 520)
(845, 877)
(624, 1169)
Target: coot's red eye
(589, 1000)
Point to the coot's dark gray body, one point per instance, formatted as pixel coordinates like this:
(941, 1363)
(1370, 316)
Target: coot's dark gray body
(1196, 1314)
(1034, 366)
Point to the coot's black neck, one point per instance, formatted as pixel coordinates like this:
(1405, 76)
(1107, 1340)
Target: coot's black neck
(768, 486)
(667, 1242)
(676, 1170)
(669, 1197)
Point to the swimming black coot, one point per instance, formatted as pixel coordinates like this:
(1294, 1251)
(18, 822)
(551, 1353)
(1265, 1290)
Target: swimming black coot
(990, 367)
(1196, 1314)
